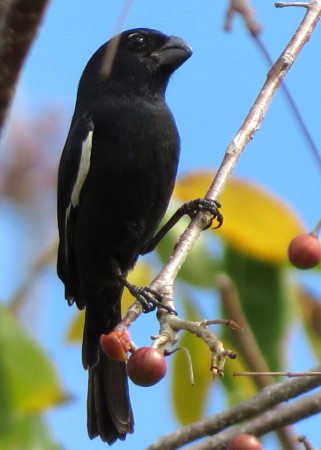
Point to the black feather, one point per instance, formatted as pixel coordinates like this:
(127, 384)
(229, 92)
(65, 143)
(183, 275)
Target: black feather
(116, 176)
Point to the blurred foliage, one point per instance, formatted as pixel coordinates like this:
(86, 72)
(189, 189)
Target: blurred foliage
(27, 432)
(264, 302)
(264, 236)
(310, 307)
(30, 387)
(29, 384)
(236, 390)
(200, 274)
(190, 401)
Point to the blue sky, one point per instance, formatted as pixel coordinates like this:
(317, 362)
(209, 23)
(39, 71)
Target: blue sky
(209, 96)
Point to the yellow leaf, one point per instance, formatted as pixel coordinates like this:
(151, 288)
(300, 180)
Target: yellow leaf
(239, 388)
(256, 222)
(75, 331)
(190, 401)
(140, 276)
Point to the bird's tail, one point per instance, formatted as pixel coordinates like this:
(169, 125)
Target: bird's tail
(109, 413)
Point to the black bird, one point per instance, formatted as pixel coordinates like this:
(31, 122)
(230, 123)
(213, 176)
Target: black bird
(116, 176)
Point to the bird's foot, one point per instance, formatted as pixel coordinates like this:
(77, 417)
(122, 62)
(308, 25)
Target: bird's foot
(148, 298)
(203, 204)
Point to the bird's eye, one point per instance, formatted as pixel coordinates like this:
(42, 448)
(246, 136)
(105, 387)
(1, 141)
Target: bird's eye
(137, 41)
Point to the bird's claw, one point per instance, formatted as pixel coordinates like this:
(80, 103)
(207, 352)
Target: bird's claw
(204, 204)
(148, 298)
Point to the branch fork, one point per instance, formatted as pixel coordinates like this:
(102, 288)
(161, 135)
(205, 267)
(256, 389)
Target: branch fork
(171, 325)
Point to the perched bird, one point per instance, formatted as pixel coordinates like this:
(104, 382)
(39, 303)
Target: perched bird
(116, 176)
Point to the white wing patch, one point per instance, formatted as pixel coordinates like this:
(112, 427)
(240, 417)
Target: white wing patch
(66, 234)
(83, 168)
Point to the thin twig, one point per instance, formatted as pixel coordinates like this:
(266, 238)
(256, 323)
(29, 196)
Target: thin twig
(269, 421)
(277, 374)
(112, 47)
(264, 401)
(295, 110)
(245, 9)
(4, 6)
(307, 444)
(285, 4)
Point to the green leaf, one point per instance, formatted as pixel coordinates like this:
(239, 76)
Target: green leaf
(28, 380)
(27, 432)
(190, 401)
(263, 296)
(311, 314)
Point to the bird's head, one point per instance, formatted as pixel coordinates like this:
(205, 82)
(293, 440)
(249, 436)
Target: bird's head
(142, 58)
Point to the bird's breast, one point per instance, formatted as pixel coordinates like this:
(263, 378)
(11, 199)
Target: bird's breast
(132, 172)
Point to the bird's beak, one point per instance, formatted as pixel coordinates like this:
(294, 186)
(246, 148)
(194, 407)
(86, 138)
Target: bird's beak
(173, 53)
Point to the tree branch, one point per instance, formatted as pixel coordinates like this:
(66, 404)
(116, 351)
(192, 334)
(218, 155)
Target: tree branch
(265, 400)
(245, 340)
(269, 421)
(18, 28)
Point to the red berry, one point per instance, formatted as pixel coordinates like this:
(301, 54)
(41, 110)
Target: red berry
(305, 251)
(244, 442)
(146, 366)
(116, 344)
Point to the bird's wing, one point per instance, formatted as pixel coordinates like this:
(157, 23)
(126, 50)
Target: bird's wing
(73, 169)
